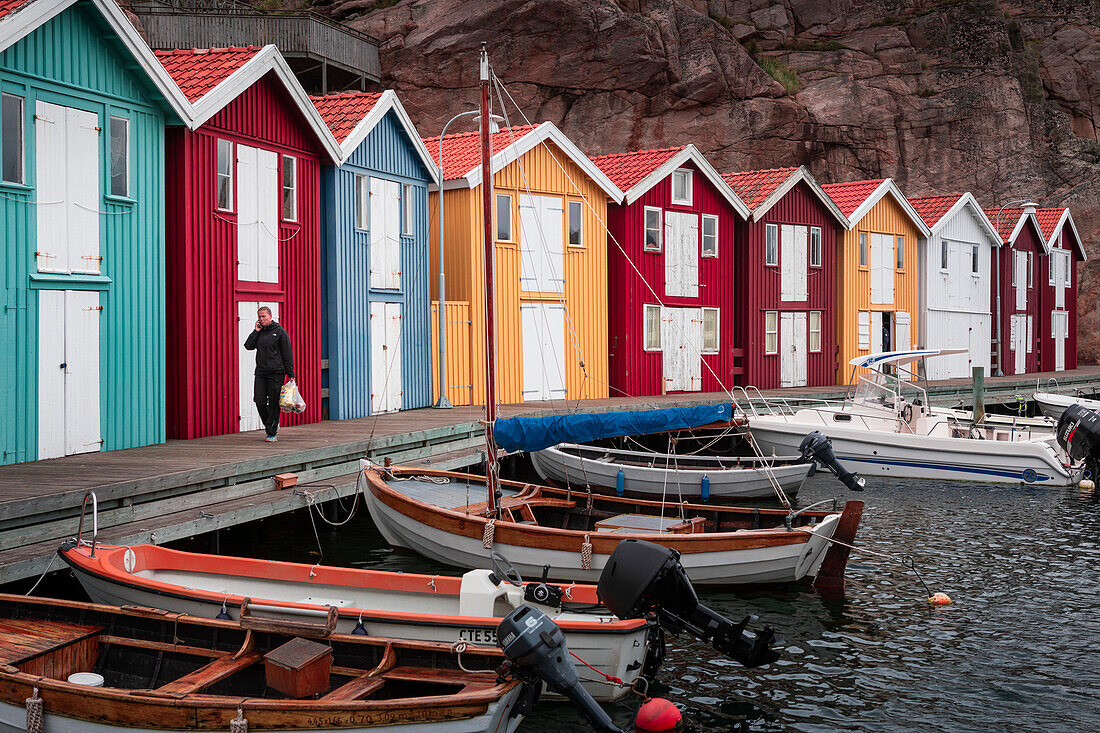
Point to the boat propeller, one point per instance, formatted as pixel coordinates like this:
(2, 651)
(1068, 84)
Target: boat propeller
(642, 578)
(818, 447)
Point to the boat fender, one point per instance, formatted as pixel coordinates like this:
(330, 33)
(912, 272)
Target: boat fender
(940, 599)
(620, 483)
(488, 534)
(35, 714)
(224, 613)
(658, 715)
(1086, 482)
(586, 554)
(239, 724)
(704, 487)
(360, 629)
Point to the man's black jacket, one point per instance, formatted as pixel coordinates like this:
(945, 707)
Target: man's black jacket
(273, 354)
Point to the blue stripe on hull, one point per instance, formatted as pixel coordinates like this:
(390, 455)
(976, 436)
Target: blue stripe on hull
(1014, 475)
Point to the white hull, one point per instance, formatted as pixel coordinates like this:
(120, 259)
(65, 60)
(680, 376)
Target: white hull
(665, 477)
(788, 563)
(1053, 405)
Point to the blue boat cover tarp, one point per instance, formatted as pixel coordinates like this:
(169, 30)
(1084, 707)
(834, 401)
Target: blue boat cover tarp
(536, 433)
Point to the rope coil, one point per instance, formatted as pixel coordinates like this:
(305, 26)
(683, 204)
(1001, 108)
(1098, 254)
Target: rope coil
(35, 713)
(488, 535)
(586, 554)
(239, 724)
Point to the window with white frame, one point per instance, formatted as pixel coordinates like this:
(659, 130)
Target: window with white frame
(504, 217)
(120, 156)
(864, 329)
(652, 229)
(974, 260)
(575, 221)
(681, 187)
(863, 249)
(1030, 335)
(408, 200)
(901, 253)
(651, 327)
(771, 332)
(362, 202)
(771, 244)
(225, 175)
(13, 121)
(710, 331)
(943, 255)
(815, 246)
(710, 235)
(815, 331)
(290, 188)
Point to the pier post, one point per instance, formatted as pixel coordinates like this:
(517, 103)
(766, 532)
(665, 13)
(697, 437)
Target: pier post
(979, 394)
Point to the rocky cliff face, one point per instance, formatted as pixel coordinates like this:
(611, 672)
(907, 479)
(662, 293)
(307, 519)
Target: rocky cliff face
(999, 98)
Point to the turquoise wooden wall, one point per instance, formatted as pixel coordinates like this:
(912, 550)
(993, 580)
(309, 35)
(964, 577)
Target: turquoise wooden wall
(345, 283)
(70, 61)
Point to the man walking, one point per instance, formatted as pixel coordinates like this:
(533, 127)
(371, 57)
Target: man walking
(274, 362)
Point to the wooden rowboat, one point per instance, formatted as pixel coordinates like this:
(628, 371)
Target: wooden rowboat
(436, 608)
(170, 672)
(436, 513)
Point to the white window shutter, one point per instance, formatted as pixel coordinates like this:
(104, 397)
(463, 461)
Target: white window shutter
(864, 323)
(248, 214)
(269, 198)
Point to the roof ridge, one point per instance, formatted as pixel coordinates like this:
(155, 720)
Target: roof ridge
(335, 95)
(204, 51)
(640, 152)
(764, 170)
(454, 135)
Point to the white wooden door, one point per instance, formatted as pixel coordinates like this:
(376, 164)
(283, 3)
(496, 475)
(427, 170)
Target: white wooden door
(681, 254)
(69, 376)
(1018, 337)
(543, 335)
(877, 344)
(793, 260)
(1060, 261)
(248, 215)
(792, 350)
(385, 344)
(385, 234)
(1059, 327)
(691, 355)
(541, 244)
(268, 201)
(903, 331)
(249, 419)
(1020, 263)
(68, 177)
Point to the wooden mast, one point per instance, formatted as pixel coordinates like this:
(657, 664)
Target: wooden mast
(492, 467)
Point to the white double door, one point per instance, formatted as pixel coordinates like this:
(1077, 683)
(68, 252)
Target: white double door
(246, 324)
(880, 264)
(793, 258)
(681, 254)
(385, 234)
(543, 333)
(385, 357)
(681, 357)
(257, 214)
(792, 350)
(68, 372)
(1019, 336)
(541, 244)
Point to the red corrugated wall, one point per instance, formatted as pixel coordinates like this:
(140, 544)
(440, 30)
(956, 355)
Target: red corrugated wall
(757, 287)
(1046, 340)
(203, 290)
(1028, 241)
(633, 370)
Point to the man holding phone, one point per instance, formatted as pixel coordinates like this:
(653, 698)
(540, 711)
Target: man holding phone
(274, 363)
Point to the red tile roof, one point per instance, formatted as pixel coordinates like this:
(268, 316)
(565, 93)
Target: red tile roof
(198, 70)
(1009, 218)
(754, 187)
(626, 170)
(848, 196)
(10, 6)
(1048, 219)
(343, 112)
(932, 208)
(462, 151)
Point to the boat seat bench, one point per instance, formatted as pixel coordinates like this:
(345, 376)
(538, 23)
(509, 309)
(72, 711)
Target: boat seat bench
(211, 673)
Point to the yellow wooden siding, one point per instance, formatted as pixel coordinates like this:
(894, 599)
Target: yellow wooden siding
(585, 272)
(459, 381)
(885, 217)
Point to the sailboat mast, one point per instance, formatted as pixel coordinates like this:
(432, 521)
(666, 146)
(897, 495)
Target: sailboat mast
(492, 467)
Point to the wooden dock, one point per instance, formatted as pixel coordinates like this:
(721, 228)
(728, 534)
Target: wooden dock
(182, 488)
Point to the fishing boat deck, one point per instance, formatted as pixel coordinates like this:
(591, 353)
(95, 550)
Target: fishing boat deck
(178, 489)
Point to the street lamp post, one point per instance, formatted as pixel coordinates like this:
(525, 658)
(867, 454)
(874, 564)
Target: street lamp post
(1028, 204)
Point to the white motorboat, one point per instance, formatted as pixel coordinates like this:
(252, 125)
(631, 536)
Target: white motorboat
(653, 475)
(887, 428)
(1053, 405)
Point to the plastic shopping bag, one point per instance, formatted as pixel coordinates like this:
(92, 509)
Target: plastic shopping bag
(290, 399)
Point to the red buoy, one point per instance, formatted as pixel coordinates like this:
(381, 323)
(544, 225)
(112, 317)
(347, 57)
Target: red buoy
(657, 715)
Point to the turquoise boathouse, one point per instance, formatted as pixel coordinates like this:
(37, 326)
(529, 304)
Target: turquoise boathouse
(85, 104)
(374, 247)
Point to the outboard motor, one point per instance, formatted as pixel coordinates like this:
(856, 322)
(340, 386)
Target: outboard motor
(1078, 433)
(642, 578)
(536, 647)
(817, 447)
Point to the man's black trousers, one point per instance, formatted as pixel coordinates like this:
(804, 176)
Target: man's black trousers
(266, 395)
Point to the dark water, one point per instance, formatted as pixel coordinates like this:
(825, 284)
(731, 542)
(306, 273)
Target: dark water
(1018, 650)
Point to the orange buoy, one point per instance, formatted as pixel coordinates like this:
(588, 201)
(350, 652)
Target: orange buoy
(657, 715)
(940, 599)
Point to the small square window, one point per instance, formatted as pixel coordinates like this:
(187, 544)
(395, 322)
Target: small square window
(943, 255)
(710, 235)
(815, 246)
(13, 121)
(710, 331)
(863, 249)
(504, 217)
(771, 332)
(225, 175)
(362, 202)
(901, 253)
(120, 156)
(652, 229)
(815, 330)
(974, 259)
(771, 244)
(575, 220)
(681, 187)
(652, 327)
(290, 188)
(408, 200)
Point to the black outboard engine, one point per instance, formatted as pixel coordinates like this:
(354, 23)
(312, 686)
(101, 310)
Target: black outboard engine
(642, 578)
(536, 646)
(819, 448)
(1078, 433)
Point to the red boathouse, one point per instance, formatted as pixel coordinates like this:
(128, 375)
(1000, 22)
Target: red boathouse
(1057, 275)
(1015, 276)
(785, 284)
(670, 266)
(243, 230)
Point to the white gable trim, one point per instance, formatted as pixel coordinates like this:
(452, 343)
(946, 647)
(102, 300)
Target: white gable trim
(513, 152)
(888, 187)
(1067, 218)
(387, 102)
(800, 175)
(17, 25)
(965, 201)
(688, 153)
(1019, 228)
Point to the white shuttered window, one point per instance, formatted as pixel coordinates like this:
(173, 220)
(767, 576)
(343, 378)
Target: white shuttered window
(710, 331)
(771, 332)
(864, 327)
(652, 327)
